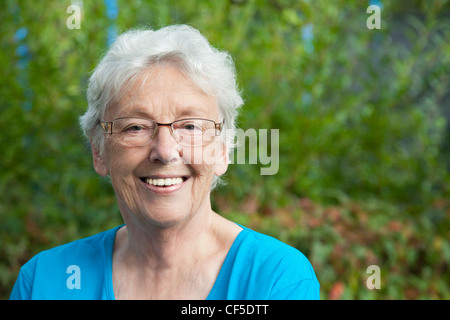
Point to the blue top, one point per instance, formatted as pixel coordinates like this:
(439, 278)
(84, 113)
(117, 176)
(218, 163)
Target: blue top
(257, 267)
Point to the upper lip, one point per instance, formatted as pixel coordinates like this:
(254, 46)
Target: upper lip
(165, 176)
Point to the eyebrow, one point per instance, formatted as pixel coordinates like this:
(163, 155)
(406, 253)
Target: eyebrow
(137, 112)
(187, 112)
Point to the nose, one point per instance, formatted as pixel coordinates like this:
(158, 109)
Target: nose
(164, 148)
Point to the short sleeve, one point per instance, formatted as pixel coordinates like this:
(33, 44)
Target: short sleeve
(23, 286)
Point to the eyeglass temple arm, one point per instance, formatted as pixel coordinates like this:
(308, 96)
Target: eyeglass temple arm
(219, 127)
(107, 126)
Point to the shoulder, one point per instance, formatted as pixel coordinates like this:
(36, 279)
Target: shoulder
(50, 269)
(87, 248)
(280, 270)
(268, 250)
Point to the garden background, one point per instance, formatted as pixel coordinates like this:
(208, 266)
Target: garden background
(362, 114)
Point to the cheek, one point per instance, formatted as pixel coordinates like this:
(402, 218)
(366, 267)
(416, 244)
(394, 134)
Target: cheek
(209, 156)
(200, 164)
(201, 182)
(122, 162)
(121, 166)
(206, 162)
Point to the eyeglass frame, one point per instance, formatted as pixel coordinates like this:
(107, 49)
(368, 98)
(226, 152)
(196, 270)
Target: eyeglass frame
(108, 125)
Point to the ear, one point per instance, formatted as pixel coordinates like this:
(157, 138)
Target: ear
(99, 164)
(221, 164)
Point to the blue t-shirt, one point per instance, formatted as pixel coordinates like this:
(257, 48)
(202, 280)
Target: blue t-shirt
(257, 267)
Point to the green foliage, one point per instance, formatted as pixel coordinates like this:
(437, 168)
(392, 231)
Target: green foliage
(363, 175)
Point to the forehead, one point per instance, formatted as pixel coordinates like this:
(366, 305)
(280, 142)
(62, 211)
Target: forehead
(164, 92)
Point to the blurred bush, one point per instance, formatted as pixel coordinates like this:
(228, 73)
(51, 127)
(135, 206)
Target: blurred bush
(363, 176)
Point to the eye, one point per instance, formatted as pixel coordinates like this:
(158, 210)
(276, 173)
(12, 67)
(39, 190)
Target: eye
(134, 128)
(137, 128)
(192, 126)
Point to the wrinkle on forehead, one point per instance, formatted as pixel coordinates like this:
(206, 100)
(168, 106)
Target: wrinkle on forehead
(164, 91)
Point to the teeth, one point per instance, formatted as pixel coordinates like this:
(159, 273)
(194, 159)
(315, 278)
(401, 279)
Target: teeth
(164, 182)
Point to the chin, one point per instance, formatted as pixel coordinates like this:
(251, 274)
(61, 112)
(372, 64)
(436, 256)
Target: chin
(165, 212)
(162, 206)
(167, 221)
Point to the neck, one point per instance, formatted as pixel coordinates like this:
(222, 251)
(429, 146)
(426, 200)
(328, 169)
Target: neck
(160, 248)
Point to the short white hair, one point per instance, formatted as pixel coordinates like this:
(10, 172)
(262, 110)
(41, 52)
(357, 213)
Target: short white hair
(182, 46)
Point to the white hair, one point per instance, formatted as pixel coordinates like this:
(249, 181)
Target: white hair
(182, 46)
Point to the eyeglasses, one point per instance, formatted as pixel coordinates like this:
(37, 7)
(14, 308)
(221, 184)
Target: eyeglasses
(137, 132)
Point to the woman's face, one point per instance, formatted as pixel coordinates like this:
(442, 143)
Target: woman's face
(162, 94)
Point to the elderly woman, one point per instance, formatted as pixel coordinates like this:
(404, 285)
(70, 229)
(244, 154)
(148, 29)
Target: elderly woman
(160, 103)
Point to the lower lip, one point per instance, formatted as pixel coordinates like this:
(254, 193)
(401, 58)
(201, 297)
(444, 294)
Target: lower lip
(164, 190)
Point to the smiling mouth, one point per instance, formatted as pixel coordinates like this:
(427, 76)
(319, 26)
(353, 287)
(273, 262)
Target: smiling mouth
(164, 182)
